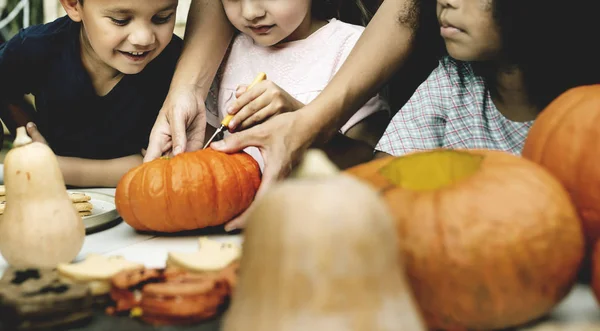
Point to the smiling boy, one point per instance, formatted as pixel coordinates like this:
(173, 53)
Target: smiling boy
(99, 76)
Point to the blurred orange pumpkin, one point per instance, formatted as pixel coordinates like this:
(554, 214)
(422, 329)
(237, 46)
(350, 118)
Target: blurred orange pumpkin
(595, 282)
(565, 139)
(190, 191)
(490, 240)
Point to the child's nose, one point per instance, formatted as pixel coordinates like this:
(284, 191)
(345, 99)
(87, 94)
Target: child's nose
(251, 10)
(448, 3)
(142, 37)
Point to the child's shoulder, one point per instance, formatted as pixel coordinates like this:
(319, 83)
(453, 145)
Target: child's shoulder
(454, 73)
(341, 30)
(43, 38)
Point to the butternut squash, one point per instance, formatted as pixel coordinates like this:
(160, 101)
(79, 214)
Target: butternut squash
(40, 227)
(320, 254)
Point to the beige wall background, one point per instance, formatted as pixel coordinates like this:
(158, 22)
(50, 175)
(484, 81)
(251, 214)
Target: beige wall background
(53, 10)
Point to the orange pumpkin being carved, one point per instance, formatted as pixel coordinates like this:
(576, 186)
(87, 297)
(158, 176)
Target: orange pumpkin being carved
(490, 240)
(191, 191)
(565, 139)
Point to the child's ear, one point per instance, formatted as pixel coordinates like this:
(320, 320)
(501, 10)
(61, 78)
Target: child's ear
(73, 8)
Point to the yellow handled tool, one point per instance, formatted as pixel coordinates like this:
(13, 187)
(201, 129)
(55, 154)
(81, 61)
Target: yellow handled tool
(225, 122)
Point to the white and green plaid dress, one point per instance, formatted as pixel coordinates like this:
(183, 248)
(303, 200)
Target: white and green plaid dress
(452, 109)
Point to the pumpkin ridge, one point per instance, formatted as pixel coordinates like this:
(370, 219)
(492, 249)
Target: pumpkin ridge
(226, 213)
(581, 179)
(143, 191)
(216, 192)
(242, 198)
(197, 166)
(553, 132)
(136, 217)
(212, 197)
(166, 224)
(174, 221)
(123, 200)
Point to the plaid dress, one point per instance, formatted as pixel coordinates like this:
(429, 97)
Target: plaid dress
(452, 109)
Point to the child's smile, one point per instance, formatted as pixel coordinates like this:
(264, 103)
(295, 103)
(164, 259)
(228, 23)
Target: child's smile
(124, 35)
(136, 56)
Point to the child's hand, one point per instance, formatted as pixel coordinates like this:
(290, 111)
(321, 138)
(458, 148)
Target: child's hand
(35, 135)
(255, 106)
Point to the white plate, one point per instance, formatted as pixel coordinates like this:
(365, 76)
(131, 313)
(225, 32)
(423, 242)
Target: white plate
(104, 212)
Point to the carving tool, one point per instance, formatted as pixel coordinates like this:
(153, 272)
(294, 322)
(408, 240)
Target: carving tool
(225, 123)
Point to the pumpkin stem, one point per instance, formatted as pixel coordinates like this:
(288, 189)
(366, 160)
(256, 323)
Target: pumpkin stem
(22, 138)
(431, 170)
(315, 164)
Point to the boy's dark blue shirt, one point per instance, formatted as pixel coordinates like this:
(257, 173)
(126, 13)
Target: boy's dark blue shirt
(45, 60)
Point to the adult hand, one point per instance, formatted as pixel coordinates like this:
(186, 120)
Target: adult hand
(180, 125)
(266, 99)
(282, 141)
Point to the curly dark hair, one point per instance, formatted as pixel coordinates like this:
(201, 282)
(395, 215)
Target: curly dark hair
(357, 12)
(552, 42)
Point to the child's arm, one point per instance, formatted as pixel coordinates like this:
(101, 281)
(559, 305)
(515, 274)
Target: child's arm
(96, 173)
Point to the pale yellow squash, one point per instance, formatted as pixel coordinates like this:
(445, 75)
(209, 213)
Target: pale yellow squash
(40, 227)
(320, 253)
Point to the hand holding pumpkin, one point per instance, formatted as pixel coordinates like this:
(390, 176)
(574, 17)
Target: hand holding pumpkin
(180, 125)
(282, 141)
(266, 99)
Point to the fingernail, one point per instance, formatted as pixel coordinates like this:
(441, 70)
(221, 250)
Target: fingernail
(230, 110)
(230, 228)
(177, 150)
(232, 124)
(217, 144)
(30, 125)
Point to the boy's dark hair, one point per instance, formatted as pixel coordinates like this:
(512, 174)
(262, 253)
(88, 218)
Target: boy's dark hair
(357, 12)
(552, 42)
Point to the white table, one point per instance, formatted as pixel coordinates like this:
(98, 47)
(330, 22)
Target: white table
(124, 240)
(578, 312)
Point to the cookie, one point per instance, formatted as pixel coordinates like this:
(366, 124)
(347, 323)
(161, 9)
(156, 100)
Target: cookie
(79, 197)
(97, 271)
(126, 288)
(83, 206)
(81, 201)
(172, 296)
(212, 256)
(184, 299)
(36, 299)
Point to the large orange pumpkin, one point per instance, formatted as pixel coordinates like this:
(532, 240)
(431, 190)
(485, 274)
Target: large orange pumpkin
(490, 240)
(191, 191)
(596, 271)
(565, 139)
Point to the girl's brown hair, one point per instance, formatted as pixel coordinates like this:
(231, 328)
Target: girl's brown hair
(357, 12)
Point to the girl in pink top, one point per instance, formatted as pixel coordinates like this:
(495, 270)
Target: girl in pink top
(300, 45)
